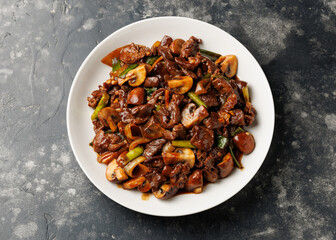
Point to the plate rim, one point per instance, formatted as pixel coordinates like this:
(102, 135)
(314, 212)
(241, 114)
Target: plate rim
(80, 69)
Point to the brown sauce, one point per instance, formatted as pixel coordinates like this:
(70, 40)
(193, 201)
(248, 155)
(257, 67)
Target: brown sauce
(145, 196)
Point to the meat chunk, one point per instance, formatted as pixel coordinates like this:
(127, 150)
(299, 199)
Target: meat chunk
(133, 53)
(170, 116)
(155, 179)
(93, 101)
(250, 113)
(190, 47)
(195, 181)
(154, 147)
(222, 86)
(100, 143)
(209, 99)
(202, 138)
(210, 171)
(191, 64)
(238, 118)
(178, 132)
(213, 122)
(151, 82)
(166, 41)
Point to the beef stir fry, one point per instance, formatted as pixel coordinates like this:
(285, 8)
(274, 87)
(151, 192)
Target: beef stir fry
(171, 117)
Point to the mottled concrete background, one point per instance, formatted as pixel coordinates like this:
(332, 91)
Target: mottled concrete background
(45, 195)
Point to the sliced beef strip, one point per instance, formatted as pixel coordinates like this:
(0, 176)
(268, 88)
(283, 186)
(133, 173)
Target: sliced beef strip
(133, 53)
(154, 147)
(178, 132)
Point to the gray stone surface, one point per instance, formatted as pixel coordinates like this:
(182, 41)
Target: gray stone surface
(45, 195)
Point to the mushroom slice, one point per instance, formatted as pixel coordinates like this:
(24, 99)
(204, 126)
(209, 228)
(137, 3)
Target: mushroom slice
(180, 155)
(145, 186)
(135, 169)
(229, 65)
(180, 84)
(133, 183)
(114, 173)
(106, 116)
(137, 142)
(165, 191)
(192, 116)
(225, 166)
(106, 157)
(137, 76)
(202, 86)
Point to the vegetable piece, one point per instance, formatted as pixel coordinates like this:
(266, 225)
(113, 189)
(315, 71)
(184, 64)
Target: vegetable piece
(145, 186)
(226, 165)
(195, 182)
(211, 55)
(166, 97)
(137, 142)
(129, 68)
(156, 62)
(165, 191)
(179, 155)
(133, 183)
(134, 153)
(151, 60)
(102, 103)
(208, 75)
(132, 131)
(246, 94)
(157, 107)
(115, 64)
(136, 96)
(192, 115)
(180, 84)
(183, 144)
(221, 141)
(229, 65)
(114, 54)
(237, 131)
(137, 76)
(108, 116)
(149, 91)
(135, 169)
(202, 86)
(114, 173)
(244, 142)
(234, 158)
(196, 99)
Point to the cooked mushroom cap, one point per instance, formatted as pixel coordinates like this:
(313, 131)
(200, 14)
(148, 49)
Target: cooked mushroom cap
(106, 116)
(178, 156)
(229, 65)
(195, 182)
(181, 84)
(192, 116)
(114, 173)
(165, 191)
(137, 76)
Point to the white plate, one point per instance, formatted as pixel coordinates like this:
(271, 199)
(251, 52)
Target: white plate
(146, 32)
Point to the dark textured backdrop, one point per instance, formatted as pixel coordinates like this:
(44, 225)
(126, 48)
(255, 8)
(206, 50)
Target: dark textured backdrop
(45, 195)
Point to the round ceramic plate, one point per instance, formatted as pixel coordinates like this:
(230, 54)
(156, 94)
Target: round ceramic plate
(146, 32)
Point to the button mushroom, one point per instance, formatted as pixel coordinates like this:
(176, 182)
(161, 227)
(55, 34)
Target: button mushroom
(108, 116)
(179, 155)
(176, 46)
(202, 86)
(225, 166)
(195, 182)
(166, 191)
(192, 115)
(114, 173)
(135, 77)
(228, 65)
(136, 96)
(244, 142)
(139, 76)
(180, 84)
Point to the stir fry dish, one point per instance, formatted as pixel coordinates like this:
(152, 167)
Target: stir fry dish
(171, 118)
